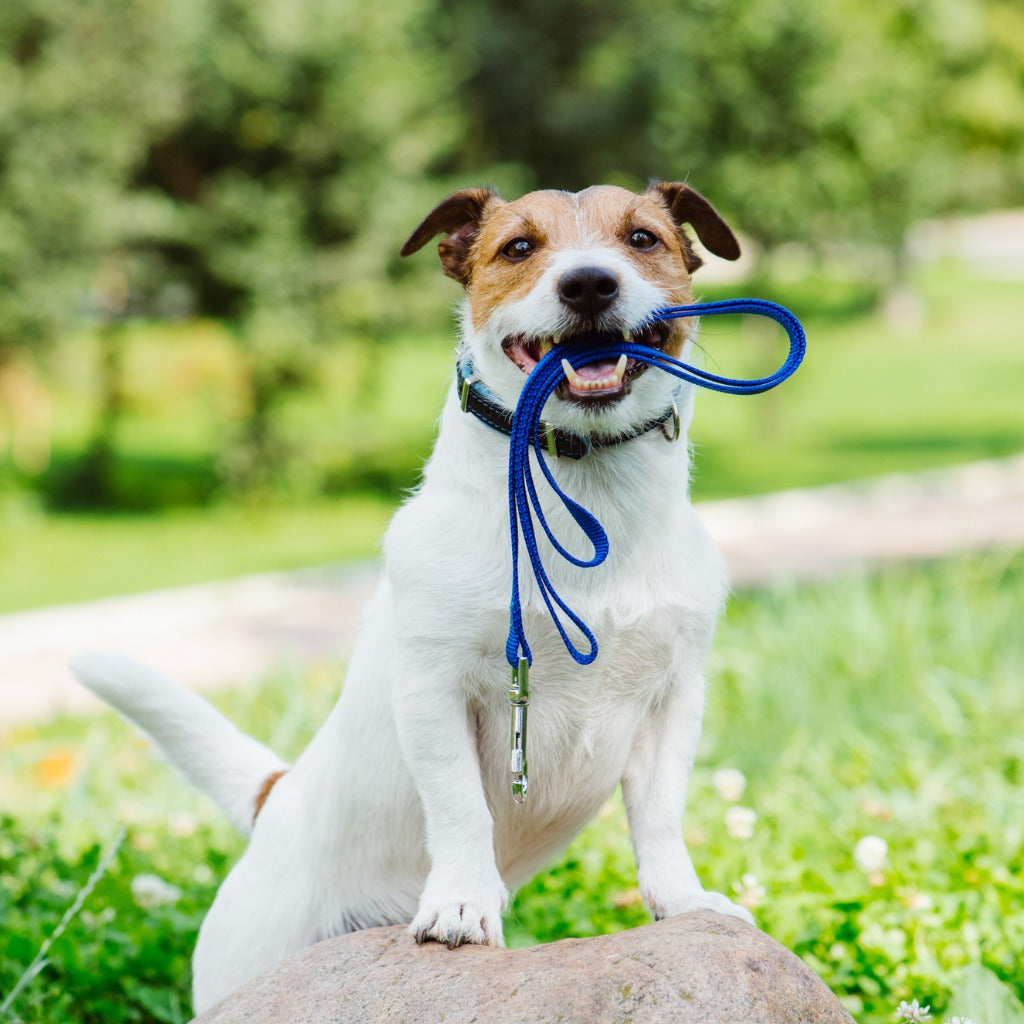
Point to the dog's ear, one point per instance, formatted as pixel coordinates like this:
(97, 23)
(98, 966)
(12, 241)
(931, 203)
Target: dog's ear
(458, 217)
(690, 207)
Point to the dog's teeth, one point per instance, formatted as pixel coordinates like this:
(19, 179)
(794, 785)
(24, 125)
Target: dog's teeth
(620, 366)
(545, 346)
(556, 338)
(626, 336)
(570, 373)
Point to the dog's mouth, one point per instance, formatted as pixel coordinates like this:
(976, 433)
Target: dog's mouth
(607, 380)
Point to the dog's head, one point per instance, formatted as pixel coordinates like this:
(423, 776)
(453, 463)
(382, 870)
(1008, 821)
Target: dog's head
(552, 267)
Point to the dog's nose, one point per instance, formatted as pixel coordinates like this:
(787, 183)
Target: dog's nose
(588, 290)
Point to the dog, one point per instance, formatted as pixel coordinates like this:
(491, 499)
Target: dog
(400, 810)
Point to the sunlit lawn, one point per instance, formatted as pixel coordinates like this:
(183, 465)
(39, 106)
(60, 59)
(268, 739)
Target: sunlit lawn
(73, 558)
(886, 705)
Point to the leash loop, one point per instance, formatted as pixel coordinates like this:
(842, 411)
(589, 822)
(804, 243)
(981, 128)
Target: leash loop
(524, 502)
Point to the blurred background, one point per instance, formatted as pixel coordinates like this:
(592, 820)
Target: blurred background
(213, 363)
(207, 336)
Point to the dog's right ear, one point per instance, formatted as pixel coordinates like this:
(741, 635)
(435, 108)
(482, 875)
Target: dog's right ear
(690, 207)
(458, 217)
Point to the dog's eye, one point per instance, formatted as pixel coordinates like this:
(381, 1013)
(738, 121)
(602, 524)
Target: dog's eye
(641, 239)
(517, 249)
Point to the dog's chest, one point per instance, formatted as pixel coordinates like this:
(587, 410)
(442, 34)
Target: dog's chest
(583, 724)
(574, 708)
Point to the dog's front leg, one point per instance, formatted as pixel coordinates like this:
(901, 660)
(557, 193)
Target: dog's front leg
(464, 894)
(654, 787)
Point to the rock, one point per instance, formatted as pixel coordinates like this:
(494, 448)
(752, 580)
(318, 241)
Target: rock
(699, 968)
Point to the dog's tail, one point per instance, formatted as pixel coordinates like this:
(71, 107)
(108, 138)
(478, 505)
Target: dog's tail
(211, 752)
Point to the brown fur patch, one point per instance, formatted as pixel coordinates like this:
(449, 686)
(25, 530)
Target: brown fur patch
(548, 219)
(261, 796)
(553, 221)
(457, 217)
(690, 207)
(479, 225)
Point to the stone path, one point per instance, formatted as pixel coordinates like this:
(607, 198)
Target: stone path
(230, 632)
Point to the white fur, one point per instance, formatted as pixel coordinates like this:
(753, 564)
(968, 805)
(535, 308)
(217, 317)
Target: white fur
(206, 748)
(400, 809)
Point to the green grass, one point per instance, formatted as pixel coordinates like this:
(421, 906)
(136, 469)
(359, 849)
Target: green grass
(64, 558)
(868, 400)
(885, 705)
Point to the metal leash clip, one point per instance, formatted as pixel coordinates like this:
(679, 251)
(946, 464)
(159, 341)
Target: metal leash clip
(519, 698)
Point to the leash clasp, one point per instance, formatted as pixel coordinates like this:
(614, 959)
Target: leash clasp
(519, 699)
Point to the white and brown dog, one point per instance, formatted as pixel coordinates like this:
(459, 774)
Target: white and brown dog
(400, 809)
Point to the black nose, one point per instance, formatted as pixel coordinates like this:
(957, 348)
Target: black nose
(588, 290)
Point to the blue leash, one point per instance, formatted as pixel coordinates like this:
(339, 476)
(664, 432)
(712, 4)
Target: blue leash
(524, 503)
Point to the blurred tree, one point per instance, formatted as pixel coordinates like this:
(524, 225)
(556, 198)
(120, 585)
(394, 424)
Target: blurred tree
(252, 161)
(553, 86)
(823, 123)
(260, 161)
(305, 137)
(75, 116)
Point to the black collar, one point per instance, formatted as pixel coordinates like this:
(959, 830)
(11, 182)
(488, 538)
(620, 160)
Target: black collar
(476, 399)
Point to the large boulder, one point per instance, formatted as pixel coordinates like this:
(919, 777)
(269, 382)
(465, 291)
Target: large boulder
(699, 968)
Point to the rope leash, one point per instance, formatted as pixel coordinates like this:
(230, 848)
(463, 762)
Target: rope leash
(524, 503)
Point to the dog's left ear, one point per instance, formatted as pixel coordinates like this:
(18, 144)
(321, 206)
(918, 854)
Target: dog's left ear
(459, 218)
(690, 207)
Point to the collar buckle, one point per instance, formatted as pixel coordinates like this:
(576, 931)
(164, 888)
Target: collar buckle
(676, 424)
(475, 399)
(550, 439)
(467, 383)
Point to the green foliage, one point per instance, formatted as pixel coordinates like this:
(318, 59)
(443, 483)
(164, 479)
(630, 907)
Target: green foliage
(227, 158)
(981, 996)
(884, 705)
(261, 162)
(823, 123)
(879, 706)
(119, 959)
(76, 117)
(231, 159)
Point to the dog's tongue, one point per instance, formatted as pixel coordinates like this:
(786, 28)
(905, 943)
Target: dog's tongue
(595, 371)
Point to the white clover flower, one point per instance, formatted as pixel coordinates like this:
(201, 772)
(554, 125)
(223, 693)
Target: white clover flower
(730, 783)
(740, 821)
(875, 808)
(203, 874)
(749, 893)
(871, 853)
(150, 891)
(915, 900)
(182, 825)
(94, 921)
(913, 1012)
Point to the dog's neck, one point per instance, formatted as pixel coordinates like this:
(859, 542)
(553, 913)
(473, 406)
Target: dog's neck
(476, 399)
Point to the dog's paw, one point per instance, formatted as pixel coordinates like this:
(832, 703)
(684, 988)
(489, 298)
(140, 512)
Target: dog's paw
(457, 924)
(700, 900)
(461, 914)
